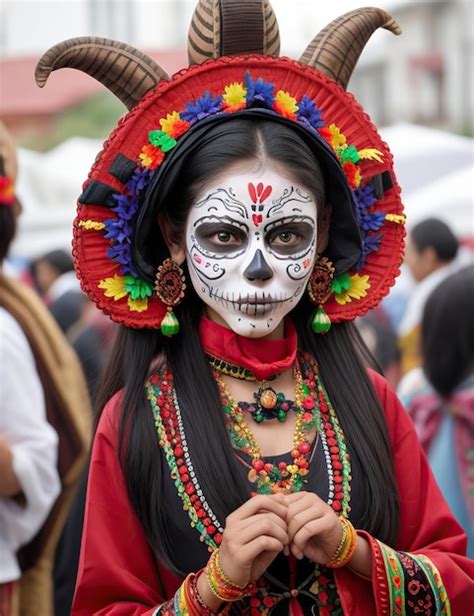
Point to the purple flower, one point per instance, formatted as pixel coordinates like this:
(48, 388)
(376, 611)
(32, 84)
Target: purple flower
(126, 207)
(364, 196)
(308, 114)
(201, 108)
(371, 221)
(138, 181)
(371, 243)
(258, 91)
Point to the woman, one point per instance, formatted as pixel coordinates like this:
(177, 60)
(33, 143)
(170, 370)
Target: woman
(440, 396)
(238, 450)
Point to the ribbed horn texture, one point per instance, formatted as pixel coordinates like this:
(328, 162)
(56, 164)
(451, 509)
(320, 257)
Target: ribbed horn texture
(336, 49)
(124, 70)
(232, 27)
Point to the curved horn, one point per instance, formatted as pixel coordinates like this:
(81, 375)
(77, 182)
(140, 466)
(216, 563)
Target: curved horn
(232, 27)
(336, 49)
(124, 70)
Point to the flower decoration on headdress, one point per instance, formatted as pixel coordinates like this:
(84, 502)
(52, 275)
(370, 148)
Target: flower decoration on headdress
(347, 287)
(7, 191)
(235, 96)
(201, 108)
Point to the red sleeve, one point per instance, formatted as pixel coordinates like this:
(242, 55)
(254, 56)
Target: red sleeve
(118, 573)
(428, 532)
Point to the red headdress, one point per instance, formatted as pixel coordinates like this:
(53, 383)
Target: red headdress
(233, 72)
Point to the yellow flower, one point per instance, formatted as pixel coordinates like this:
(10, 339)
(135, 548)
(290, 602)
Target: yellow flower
(357, 289)
(93, 225)
(114, 287)
(173, 125)
(285, 104)
(167, 123)
(371, 154)
(234, 97)
(338, 139)
(138, 305)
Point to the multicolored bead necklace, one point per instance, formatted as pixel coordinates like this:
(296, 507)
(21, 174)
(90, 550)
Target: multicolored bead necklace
(267, 477)
(268, 403)
(172, 440)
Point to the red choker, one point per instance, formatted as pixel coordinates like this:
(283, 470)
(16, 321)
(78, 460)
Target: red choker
(264, 358)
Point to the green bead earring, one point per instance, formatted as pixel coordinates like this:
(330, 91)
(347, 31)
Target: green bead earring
(169, 287)
(319, 290)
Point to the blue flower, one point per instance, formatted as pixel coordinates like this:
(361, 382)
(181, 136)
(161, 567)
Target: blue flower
(365, 197)
(139, 181)
(308, 114)
(371, 243)
(371, 221)
(201, 108)
(258, 92)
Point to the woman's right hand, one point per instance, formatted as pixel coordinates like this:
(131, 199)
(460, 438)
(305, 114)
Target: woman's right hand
(254, 535)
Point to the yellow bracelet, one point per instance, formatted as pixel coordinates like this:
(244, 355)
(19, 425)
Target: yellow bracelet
(217, 564)
(342, 556)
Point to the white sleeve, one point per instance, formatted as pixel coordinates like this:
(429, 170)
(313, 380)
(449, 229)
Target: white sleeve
(33, 442)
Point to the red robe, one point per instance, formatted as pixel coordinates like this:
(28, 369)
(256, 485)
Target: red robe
(119, 575)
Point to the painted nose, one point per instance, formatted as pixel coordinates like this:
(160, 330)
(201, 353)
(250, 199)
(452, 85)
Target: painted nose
(258, 268)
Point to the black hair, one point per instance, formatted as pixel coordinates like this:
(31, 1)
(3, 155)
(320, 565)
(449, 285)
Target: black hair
(447, 332)
(7, 222)
(434, 233)
(339, 354)
(61, 260)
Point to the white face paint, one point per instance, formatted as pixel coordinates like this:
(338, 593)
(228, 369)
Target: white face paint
(251, 247)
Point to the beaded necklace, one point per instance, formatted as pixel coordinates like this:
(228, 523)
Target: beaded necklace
(267, 477)
(172, 440)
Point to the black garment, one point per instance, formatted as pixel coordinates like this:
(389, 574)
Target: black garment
(190, 554)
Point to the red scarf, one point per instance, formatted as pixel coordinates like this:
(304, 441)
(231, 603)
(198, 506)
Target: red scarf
(264, 358)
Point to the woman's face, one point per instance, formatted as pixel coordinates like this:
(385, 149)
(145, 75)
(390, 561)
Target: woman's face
(250, 248)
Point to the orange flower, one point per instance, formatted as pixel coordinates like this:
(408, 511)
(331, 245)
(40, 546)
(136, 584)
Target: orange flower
(352, 173)
(173, 125)
(285, 105)
(151, 156)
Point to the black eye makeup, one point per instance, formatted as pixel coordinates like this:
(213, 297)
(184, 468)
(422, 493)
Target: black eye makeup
(290, 236)
(221, 237)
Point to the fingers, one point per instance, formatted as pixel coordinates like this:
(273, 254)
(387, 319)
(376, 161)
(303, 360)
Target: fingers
(261, 544)
(274, 503)
(268, 525)
(299, 520)
(311, 529)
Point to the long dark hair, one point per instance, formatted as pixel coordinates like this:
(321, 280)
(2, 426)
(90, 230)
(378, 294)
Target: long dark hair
(447, 332)
(338, 354)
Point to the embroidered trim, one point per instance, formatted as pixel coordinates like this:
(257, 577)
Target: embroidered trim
(410, 575)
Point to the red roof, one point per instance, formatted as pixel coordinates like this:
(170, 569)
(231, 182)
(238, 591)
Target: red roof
(19, 94)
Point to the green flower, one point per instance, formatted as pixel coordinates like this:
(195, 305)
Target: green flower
(341, 283)
(162, 140)
(137, 288)
(349, 154)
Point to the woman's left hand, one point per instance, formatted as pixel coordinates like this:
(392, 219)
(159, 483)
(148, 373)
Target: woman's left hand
(313, 527)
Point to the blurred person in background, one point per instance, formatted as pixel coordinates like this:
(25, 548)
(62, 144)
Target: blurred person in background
(430, 255)
(57, 284)
(440, 395)
(44, 427)
(381, 339)
(29, 480)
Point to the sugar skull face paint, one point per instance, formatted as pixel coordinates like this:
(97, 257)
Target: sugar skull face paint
(250, 248)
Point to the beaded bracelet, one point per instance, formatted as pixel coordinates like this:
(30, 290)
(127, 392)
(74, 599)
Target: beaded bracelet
(346, 547)
(221, 586)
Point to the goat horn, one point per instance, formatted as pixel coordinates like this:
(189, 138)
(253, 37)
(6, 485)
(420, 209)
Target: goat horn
(336, 49)
(124, 70)
(232, 27)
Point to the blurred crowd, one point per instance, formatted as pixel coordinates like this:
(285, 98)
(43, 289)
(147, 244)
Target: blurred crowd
(54, 344)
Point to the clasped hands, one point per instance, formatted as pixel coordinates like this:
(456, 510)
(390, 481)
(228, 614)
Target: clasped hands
(300, 523)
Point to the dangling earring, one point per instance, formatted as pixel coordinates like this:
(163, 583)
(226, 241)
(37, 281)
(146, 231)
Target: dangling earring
(319, 290)
(169, 287)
